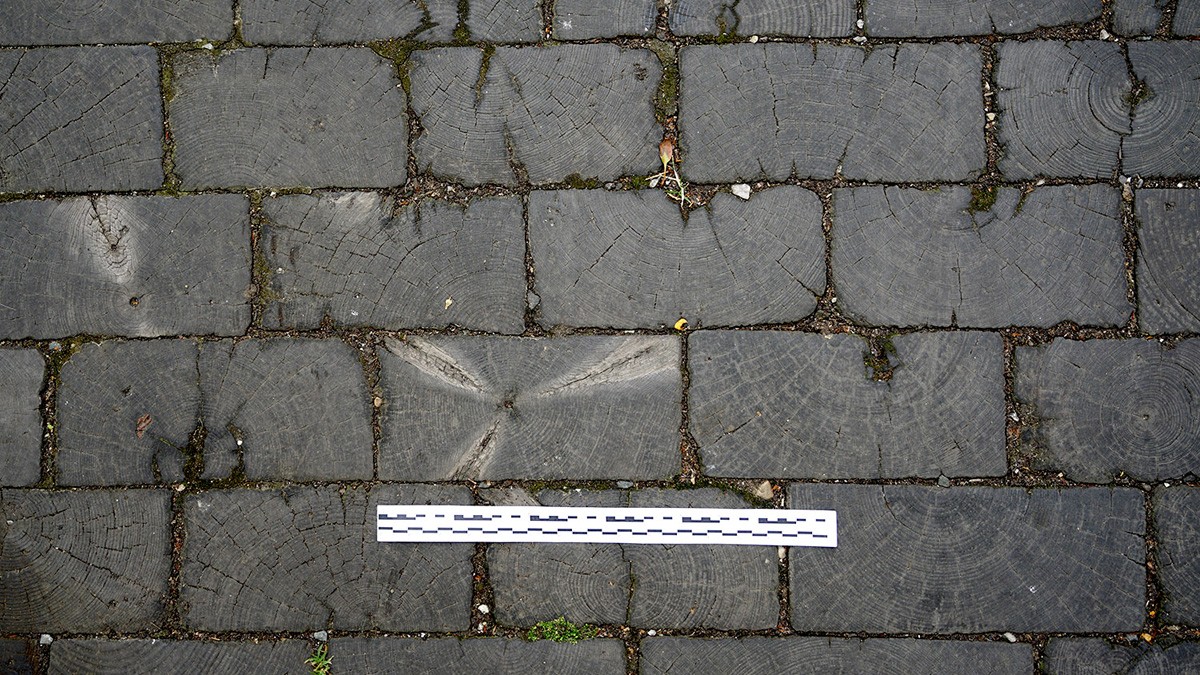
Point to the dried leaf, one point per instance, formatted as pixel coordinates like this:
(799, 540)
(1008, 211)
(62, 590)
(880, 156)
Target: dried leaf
(681, 324)
(666, 151)
(143, 423)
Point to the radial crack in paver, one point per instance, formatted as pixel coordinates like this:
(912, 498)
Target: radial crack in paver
(501, 656)
(1111, 408)
(824, 18)
(494, 408)
(911, 112)
(935, 18)
(661, 655)
(768, 404)
(972, 559)
(134, 266)
(83, 561)
(175, 657)
(1166, 129)
(288, 117)
(73, 22)
(584, 20)
(165, 411)
(362, 260)
(1168, 259)
(305, 558)
(1177, 526)
(1067, 656)
(909, 257)
(80, 118)
(1064, 108)
(304, 22)
(625, 259)
(21, 375)
(551, 113)
(684, 587)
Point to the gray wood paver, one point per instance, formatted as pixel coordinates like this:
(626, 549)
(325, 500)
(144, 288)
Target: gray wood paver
(133, 266)
(1088, 656)
(80, 118)
(376, 656)
(175, 657)
(911, 112)
(296, 559)
(73, 22)
(1104, 409)
(920, 559)
(1165, 140)
(773, 404)
(1177, 524)
(21, 374)
(824, 18)
(662, 655)
(304, 22)
(287, 118)
(83, 561)
(1168, 257)
(628, 259)
(493, 408)
(933, 18)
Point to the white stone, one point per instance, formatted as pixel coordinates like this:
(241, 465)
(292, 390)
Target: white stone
(741, 190)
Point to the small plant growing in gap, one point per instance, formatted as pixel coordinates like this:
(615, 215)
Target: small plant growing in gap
(675, 188)
(560, 630)
(320, 661)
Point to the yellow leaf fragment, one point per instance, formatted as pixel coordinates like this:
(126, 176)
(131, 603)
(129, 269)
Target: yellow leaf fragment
(681, 324)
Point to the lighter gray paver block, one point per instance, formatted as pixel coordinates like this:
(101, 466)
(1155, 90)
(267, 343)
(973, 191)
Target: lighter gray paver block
(495, 408)
(288, 118)
(1166, 129)
(21, 375)
(1137, 17)
(910, 257)
(176, 657)
(290, 409)
(80, 118)
(625, 259)
(1063, 108)
(769, 404)
(823, 18)
(704, 586)
(505, 20)
(661, 655)
(130, 266)
(548, 113)
(1168, 259)
(306, 558)
(912, 112)
(1111, 407)
(498, 656)
(126, 413)
(1177, 524)
(935, 18)
(83, 561)
(363, 260)
(972, 559)
(270, 409)
(305, 22)
(72, 22)
(1187, 17)
(1091, 656)
(584, 19)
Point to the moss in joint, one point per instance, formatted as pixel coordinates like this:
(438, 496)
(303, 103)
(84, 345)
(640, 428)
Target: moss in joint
(462, 34)
(580, 183)
(398, 51)
(485, 65)
(560, 630)
(982, 198)
(668, 86)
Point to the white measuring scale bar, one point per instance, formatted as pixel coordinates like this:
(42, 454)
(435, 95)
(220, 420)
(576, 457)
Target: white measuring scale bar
(587, 525)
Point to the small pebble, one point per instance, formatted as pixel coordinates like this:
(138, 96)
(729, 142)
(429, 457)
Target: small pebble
(860, 39)
(534, 300)
(943, 481)
(45, 640)
(624, 484)
(763, 491)
(859, 23)
(321, 636)
(741, 190)
(651, 632)
(753, 39)
(991, 117)
(484, 609)
(1104, 35)
(1010, 637)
